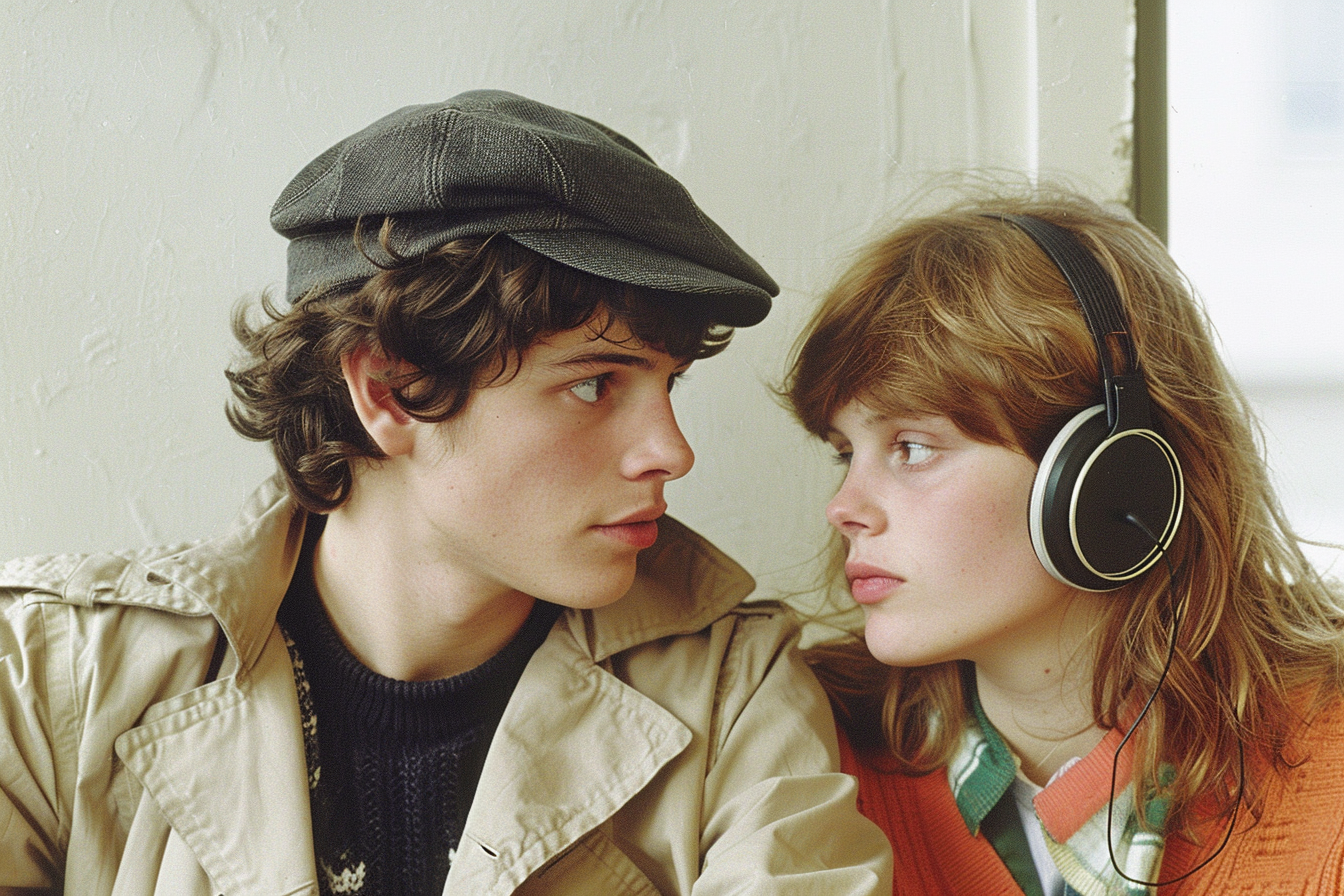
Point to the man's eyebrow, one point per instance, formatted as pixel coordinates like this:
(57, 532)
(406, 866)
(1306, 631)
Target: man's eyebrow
(597, 358)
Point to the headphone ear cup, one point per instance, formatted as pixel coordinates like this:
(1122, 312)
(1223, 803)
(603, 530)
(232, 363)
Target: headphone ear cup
(1089, 484)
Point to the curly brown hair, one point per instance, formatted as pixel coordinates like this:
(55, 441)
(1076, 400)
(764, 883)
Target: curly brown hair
(457, 319)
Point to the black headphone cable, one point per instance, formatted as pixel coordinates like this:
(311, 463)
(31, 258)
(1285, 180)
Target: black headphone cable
(1177, 617)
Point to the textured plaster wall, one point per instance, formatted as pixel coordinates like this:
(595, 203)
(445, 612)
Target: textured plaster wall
(143, 141)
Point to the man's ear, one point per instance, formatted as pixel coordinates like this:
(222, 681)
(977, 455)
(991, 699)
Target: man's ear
(385, 420)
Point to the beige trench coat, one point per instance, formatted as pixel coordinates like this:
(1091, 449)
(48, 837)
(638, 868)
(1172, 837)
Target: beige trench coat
(669, 743)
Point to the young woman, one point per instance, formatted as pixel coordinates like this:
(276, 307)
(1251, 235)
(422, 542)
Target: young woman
(1119, 675)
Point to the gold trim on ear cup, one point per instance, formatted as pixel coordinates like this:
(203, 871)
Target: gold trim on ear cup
(1122, 551)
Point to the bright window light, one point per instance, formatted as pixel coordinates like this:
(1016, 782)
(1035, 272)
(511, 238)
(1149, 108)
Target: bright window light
(1256, 219)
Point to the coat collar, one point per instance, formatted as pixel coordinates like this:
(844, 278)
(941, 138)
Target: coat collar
(224, 765)
(242, 575)
(239, 577)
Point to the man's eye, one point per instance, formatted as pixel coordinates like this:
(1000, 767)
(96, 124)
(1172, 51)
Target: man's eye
(591, 389)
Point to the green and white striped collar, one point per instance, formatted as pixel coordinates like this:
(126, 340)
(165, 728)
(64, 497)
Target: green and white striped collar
(1072, 809)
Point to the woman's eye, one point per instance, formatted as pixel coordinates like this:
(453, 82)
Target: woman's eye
(591, 389)
(913, 453)
(843, 458)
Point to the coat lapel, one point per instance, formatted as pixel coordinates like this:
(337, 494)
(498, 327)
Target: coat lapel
(224, 764)
(575, 744)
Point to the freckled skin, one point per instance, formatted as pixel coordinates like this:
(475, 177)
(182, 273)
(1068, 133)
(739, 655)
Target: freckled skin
(947, 518)
(936, 526)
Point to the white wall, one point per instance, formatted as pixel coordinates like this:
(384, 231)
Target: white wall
(144, 141)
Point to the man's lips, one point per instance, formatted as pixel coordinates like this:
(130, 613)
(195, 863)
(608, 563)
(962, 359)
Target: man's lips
(638, 529)
(870, 584)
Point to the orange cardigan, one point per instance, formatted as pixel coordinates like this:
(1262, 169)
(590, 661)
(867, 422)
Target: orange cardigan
(1296, 847)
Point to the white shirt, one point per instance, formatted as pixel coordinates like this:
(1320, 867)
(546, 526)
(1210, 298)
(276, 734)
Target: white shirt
(1024, 791)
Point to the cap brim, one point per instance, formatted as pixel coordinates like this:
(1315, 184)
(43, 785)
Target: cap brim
(732, 302)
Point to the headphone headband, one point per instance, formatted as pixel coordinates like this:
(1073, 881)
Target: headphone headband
(1096, 294)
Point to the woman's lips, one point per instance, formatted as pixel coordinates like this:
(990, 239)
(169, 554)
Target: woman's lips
(870, 584)
(872, 589)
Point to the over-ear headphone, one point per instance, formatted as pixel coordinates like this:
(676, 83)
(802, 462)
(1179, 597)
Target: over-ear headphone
(1109, 491)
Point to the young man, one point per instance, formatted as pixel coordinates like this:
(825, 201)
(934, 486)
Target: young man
(454, 647)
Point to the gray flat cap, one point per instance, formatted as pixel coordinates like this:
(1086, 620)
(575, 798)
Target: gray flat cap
(488, 162)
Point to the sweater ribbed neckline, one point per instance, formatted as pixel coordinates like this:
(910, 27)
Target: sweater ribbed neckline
(386, 708)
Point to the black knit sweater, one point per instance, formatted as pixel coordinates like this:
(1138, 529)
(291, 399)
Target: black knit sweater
(392, 765)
